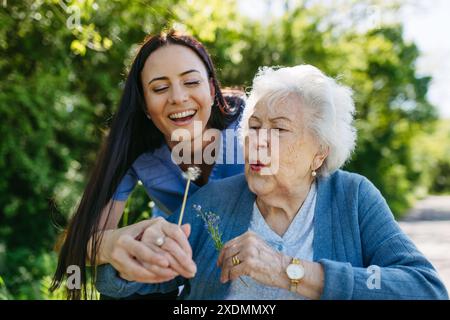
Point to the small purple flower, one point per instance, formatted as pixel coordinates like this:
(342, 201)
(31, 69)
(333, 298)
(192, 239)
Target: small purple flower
(211, 223)
(212, 218)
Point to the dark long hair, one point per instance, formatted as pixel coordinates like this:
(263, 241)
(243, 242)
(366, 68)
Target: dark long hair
(131, 134)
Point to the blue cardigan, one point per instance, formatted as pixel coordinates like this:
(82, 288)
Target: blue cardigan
(353, 229)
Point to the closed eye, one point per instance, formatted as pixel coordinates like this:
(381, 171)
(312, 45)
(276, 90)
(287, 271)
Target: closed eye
(192, 83)
(160, 89)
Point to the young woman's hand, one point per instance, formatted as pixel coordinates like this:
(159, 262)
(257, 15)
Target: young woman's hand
(133, 253)
(174, 245)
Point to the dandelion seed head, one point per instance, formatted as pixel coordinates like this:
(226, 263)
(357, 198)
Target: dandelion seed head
(192, 173)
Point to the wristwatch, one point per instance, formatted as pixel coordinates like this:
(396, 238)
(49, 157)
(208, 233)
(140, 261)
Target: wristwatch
(295, 273)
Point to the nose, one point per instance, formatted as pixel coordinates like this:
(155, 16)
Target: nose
(262, 138)
(259, 145)
(259, 138)
(178, 95)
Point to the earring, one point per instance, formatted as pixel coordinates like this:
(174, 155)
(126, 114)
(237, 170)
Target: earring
(314, 173)
(149, 118)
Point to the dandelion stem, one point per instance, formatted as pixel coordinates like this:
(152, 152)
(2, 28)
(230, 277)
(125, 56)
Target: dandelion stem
(184, 202)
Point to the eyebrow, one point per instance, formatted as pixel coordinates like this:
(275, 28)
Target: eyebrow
(166, 78)
(273, 119)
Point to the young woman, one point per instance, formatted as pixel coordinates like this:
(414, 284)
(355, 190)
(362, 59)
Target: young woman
(171, 85)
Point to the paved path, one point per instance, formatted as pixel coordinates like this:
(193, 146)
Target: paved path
(428, 224)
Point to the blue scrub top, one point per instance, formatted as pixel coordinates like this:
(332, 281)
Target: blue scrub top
(163, 180)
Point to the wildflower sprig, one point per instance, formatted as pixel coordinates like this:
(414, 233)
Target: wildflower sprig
(211, 223)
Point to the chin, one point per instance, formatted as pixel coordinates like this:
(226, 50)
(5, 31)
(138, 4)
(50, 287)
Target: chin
(188, 132)
(259, 185)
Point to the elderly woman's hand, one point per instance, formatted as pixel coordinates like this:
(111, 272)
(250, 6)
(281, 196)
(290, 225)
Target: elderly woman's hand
(256, 260)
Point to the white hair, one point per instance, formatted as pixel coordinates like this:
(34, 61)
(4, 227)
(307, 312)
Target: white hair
(328, 107)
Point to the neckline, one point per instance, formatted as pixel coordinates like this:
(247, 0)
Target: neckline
(299, 220)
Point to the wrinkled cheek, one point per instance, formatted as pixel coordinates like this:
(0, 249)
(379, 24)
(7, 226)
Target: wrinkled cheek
(293, 155)
(287, 156)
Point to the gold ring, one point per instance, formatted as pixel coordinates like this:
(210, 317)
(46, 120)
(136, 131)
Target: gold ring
(235, 260)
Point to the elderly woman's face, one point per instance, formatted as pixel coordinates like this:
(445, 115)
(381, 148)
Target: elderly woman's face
(299, 152)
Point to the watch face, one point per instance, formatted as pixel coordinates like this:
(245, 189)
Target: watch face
(295, 272)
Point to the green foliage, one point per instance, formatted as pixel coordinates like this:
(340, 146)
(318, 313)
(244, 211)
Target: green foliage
(25, 270)
(4, 294)
(391, 111)
(431, 158)
(61, 80)
(138, 207)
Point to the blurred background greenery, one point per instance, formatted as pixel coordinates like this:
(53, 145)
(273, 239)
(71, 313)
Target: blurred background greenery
(62, 67)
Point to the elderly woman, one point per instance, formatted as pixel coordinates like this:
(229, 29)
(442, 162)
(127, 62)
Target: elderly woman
(295, 226)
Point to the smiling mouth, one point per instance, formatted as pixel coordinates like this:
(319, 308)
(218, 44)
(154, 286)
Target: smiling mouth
(183, 116)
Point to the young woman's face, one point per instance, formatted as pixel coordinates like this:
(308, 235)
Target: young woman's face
(177, 90)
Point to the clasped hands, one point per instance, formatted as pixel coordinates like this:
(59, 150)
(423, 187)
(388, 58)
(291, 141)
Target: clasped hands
(155, 251)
